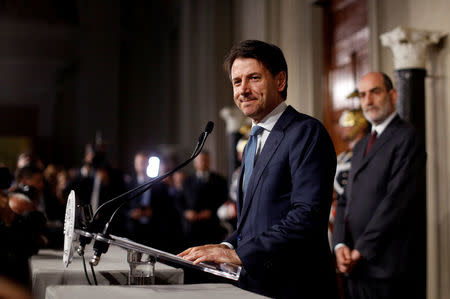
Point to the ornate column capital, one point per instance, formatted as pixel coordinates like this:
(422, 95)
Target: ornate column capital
(409, 46)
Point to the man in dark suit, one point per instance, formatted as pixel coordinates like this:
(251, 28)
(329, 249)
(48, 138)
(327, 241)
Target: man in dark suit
(380, 223)
(284, 202)
(151, 218)
(137, 213)
(204, 192)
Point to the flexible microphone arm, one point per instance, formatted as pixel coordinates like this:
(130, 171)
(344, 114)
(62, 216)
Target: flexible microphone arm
(123, 198)
(144, 187)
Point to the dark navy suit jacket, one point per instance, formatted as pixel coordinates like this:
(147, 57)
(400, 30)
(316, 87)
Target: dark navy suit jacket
(281, 235)
(382, 213)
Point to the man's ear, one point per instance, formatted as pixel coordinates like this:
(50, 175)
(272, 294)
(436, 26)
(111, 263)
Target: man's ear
(281, 81)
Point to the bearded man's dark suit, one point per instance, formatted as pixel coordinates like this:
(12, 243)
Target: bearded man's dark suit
(281, 236)
(382, 213)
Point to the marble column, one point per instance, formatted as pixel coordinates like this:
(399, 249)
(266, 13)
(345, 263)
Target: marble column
(409, 47)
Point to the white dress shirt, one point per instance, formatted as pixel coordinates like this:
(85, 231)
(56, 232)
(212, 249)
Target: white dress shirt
(381, 127)
(267, 123)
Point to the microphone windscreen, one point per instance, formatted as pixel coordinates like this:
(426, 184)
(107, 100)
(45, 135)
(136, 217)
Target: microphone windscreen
(209, 127)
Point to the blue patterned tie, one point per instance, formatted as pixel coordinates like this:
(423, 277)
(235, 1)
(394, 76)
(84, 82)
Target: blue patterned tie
(250, 151)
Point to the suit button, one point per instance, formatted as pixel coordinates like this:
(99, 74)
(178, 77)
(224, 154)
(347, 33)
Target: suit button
(239, 237)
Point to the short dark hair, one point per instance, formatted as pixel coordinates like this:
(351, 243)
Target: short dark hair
(268, 54)
(387, 82)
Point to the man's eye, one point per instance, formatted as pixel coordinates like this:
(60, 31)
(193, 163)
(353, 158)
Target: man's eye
(254, 78)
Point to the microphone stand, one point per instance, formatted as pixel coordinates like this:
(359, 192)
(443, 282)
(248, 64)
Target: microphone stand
(101, 247)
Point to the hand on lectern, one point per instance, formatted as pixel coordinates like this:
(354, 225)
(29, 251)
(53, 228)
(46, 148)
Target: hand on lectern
(219, 253)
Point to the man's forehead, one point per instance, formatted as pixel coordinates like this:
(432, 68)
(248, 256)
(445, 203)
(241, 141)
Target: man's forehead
(370, 82)
(247, 65)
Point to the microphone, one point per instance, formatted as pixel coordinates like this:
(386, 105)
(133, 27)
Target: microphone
(209, 127)
(101, 247)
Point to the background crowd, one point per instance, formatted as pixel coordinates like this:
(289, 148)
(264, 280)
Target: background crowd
(180, 211)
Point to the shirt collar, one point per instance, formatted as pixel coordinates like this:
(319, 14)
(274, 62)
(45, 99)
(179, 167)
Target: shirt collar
(381, 127)
(269, 121)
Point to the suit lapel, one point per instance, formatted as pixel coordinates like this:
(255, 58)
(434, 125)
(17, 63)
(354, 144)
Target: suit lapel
(239, 190)
(360, 160)
(269, 149)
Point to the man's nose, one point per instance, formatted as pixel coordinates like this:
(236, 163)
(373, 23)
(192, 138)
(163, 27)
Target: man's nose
(367, 100)
(245, 88)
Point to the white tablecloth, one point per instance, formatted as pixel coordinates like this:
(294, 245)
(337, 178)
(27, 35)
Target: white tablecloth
(47, 269)
(192, 291)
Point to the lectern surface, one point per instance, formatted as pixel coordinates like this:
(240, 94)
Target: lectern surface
(193, 291)
(47, 268)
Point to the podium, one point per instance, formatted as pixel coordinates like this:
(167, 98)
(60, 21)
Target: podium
(136, 251)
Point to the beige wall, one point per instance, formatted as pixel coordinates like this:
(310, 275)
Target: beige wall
(295, 26)
(429, 15)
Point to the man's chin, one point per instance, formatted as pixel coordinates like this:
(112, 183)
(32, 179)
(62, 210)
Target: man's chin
(248, 111)
(371, 117)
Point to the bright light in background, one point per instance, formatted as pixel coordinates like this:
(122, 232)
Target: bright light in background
(153, 167)
(342, 85)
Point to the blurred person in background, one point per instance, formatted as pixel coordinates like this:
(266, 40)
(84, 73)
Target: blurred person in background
(166, 232)
(352, 127)
(21, 229)
(45, 202)
(204, 192)
(138, 211)
(96, 183)
(152, 218)
(227, 212)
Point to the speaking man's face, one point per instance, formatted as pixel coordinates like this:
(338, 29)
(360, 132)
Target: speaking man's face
(377, 103)
(256, 91)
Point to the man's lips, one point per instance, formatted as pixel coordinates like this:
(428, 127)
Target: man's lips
(246, 100)
(370, 109)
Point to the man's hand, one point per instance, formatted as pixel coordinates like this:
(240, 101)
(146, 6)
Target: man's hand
(346, 259)
(219, 253)
(343, 259)
(356, 256)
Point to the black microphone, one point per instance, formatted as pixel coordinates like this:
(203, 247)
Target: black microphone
(209, 127)
(102, 247)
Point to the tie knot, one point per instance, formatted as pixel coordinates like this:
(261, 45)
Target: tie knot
(374, 134)
(256, 130)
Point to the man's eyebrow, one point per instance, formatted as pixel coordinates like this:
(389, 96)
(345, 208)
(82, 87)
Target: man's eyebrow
(247, 75)
(370, 90)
